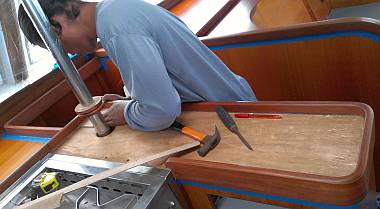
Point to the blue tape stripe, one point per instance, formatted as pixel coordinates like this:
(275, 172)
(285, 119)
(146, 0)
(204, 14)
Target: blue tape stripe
(87, 56)
(265, 196)
(24, 138)
(71, 56)
(102, 61)
(104, 58)
(300, 38)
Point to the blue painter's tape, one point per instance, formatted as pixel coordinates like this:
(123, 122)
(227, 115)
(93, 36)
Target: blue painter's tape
(300, 38)
(102, 61)
(266, 196)
(87, 56)
(71, 56)
(24, 138)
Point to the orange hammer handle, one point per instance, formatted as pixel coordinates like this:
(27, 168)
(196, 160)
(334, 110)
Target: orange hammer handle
(199, 136)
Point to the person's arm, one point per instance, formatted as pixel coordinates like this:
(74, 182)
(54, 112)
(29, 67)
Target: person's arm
(155, 102)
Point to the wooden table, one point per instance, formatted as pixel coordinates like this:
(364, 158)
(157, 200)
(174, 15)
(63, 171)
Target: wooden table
(319, 155)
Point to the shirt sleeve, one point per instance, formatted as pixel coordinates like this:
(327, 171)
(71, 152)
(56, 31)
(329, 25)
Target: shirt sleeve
(155, 102)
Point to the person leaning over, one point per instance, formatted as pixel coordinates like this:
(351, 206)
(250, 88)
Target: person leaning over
(162, 63)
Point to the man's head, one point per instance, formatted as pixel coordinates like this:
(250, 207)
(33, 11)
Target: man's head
(72, 20)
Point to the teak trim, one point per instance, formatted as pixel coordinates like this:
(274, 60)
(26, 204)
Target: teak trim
(217, 18)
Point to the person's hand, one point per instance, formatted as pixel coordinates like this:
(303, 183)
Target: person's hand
(114, 115)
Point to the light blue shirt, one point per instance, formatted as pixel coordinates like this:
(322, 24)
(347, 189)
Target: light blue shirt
(162, 63)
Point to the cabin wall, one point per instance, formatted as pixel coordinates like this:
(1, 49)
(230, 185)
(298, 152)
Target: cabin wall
(16, 103)
(350, 3)
(340, 66)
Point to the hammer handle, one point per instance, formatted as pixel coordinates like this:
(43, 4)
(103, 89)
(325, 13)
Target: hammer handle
(193, 134)
(199, 136)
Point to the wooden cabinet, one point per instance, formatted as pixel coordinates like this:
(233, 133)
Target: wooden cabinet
(274, 13)
(350, 3)
(319, 155)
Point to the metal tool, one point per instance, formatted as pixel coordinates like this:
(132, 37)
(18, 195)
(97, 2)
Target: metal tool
(230, 124)
(208, 142)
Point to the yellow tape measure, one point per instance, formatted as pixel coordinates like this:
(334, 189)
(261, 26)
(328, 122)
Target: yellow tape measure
(49, 182)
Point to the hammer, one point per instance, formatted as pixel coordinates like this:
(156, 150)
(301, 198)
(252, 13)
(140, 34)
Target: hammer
(208, 142)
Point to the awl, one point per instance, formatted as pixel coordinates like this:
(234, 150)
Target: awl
(229, 122)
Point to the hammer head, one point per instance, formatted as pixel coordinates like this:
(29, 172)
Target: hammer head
(209, 143)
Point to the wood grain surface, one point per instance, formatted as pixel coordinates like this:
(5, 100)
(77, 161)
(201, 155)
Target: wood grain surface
(332, 69)
(122, 145)
(325, 177)
(316, 144)
(14, 153)
(198, 13)
(274, 13)
(319, 9)
(325, 145)
(350, 3)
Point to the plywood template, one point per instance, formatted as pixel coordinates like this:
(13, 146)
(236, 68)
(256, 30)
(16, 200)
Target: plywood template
(122, 145)
(325, 145)
(314, 144)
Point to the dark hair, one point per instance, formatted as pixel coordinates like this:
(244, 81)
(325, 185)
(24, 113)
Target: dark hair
(71, 8)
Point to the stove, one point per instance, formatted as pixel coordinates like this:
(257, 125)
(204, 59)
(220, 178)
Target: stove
(141, 187)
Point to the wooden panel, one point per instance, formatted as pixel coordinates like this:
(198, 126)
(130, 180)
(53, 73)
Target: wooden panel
(16, 103)
(274, 13)
(36, 108)
(319, 9)
(349, 3)
(198, 13)
(40, 153)
(310, 70)
(326, 145)
(253, 14)
(66, 104)
(32, 130)
(334, 69)
(14, 153)
(123, 144)
(234, 173)
(280, 144)
(199, 200)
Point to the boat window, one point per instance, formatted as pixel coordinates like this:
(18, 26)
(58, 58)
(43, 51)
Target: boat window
(21, 63)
